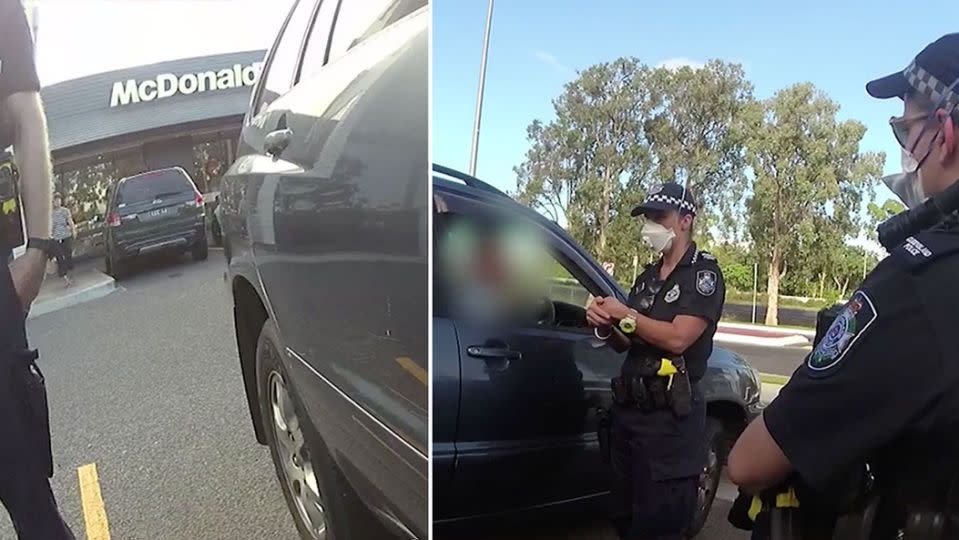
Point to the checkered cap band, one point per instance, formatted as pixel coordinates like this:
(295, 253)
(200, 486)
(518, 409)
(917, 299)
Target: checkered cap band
(928, 85)
(672, 201)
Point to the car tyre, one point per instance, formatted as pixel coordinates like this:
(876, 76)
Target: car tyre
(709, 479)
(200, 250)
(304, 467)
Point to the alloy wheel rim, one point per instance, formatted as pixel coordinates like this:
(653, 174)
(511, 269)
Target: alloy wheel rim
(295, 462)
(706, 479)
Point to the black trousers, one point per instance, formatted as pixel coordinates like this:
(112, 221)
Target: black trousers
(26, 462)
(656, 461)
(64, 256)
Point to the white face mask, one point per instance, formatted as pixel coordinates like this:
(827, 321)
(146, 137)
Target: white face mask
(910, 165)
(657, 237)
(906, 186)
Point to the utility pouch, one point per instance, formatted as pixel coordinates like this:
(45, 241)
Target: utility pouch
(604, 426)
(679, 391)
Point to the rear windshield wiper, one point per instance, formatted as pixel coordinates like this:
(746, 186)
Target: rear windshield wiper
(166, 194)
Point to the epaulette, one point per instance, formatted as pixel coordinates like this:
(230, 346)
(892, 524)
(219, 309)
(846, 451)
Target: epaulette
(919, 250)
(704, 256)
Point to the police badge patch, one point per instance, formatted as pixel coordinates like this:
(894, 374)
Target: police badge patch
(706, 282)
(656, 189)
(854, 319)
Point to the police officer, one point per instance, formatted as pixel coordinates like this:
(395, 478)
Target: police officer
(882, 385)
(25, 458)
(659, 414)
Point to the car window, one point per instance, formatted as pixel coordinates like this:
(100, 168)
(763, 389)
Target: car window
(357, 20)
(278, 74)
(155, 185)
(563, 287)
(314, 55)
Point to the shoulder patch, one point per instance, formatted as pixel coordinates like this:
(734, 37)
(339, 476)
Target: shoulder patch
(925, 247)
(852, 322)
(706, 282)
(707, 256)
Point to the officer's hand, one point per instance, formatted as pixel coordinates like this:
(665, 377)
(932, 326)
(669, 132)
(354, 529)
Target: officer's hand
(596, 316)
(614, 308)
(27, 272)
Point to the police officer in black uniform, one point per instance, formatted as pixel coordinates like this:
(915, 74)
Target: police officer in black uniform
(25, 458)
(659, 414)
(881, 386)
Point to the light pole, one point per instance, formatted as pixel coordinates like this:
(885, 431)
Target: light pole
(479, 94)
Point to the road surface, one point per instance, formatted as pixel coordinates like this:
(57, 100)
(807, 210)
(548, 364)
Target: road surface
(145, 383)
(775, 360)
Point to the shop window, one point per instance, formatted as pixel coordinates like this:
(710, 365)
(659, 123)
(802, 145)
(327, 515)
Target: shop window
(210, 161)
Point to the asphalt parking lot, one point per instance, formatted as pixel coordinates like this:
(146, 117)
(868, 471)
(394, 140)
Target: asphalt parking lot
(145, 384)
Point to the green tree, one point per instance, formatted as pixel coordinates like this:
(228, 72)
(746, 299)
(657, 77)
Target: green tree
(577, 163)
(698, 134)
(808, 169)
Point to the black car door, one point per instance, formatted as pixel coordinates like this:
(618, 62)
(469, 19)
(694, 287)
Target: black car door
(526, 432)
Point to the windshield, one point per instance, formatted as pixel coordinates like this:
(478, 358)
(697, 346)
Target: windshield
(154, 185)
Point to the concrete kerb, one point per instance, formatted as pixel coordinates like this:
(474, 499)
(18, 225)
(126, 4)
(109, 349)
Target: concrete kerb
(99, 287)
(785, 341)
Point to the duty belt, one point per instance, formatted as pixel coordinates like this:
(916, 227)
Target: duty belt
(662, 383)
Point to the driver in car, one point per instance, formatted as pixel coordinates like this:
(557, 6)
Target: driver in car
(659, 414)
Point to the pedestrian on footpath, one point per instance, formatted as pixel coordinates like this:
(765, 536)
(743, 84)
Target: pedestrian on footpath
(26, 461)
(658, 419)
(871, 418)
(64, 231)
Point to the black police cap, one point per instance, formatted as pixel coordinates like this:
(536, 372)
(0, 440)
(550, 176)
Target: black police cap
(931, 73)
(666, 197)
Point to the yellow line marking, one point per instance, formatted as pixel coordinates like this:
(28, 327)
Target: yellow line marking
(94, 512)
(772, 378)
(414, 369)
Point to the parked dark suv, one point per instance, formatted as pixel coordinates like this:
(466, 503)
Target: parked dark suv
(154, 211)
(325, 230)
(515, 407)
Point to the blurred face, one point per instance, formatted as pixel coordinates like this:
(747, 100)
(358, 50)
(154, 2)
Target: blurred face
(57, 201)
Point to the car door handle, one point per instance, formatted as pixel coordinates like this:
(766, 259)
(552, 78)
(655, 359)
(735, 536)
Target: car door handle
(277, 141)
(493, 353)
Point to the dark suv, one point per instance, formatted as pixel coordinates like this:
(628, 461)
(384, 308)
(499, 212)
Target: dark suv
(325, 218)
(515, 407)
(154, 211)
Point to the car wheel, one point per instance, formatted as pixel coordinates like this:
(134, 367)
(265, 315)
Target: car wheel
(709, 478)
(200, 250)
(306, 472)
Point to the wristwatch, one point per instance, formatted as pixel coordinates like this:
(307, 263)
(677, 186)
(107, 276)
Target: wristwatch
(45, 245)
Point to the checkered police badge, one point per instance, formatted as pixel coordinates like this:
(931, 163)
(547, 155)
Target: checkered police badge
(854, 319)
(706, 282)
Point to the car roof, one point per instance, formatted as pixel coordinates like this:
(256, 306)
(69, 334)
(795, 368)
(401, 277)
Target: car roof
(154, 171)
(446, 178)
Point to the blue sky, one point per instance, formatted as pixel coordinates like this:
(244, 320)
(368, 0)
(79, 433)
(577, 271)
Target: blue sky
(537, 45)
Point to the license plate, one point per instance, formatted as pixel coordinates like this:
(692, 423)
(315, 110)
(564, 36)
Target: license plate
(155, 213)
